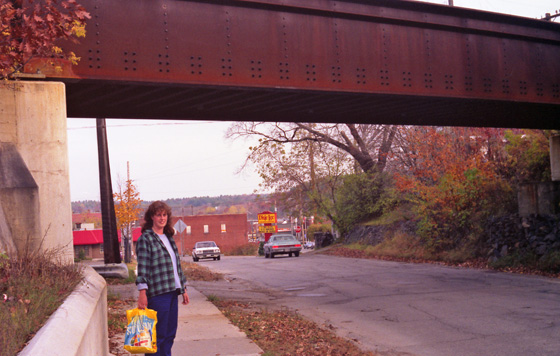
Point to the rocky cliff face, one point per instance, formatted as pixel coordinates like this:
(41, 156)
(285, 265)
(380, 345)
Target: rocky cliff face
(538, 234)
(534, 234)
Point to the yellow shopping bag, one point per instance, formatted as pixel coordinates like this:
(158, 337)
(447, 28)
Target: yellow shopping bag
(140, 337)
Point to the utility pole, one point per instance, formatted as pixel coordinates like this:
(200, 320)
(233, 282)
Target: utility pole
(450, 2)
(110, 236)
(549, 17)
(128, 237)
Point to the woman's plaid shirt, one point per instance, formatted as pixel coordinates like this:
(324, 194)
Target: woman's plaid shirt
(154, 265)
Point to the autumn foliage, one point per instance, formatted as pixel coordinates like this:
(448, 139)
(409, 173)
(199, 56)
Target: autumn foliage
(127, 210)
(283, 332)
(30, 29)
(453, 183)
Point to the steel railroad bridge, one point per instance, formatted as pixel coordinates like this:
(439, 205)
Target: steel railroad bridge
(362, 61)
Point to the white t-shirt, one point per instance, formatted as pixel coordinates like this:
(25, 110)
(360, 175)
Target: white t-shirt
(167, 244)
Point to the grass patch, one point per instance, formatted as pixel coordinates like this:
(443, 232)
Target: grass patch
(285, 332)
(32, 287)
(400, 213)
(117, 323)
(550, 262)
(399, 247)
(529, 262)
(116, 317)
(249, 249)
(130, 279)
(403, 248)
(196, 272)
(212, 298)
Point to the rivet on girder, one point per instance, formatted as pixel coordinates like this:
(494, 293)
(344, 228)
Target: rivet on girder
(555, 91)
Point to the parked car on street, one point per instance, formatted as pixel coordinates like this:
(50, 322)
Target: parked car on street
(205, 249)
(282, 244)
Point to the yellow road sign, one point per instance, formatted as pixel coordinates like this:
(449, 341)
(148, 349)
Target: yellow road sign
(267, 218)
(271, 229)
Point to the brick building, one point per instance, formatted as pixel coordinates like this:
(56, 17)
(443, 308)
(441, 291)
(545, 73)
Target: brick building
(227, 230)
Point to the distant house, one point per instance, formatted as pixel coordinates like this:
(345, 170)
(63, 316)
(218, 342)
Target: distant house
(89, 243)
(80, 221)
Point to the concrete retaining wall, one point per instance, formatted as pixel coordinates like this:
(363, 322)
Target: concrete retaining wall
(79, 326)
(541, 198)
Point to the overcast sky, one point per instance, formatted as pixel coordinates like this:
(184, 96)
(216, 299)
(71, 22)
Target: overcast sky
(526, 8)
(176, 159)
(168, 159)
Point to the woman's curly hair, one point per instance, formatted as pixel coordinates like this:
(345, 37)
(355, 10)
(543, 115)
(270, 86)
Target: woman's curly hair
(153, 209)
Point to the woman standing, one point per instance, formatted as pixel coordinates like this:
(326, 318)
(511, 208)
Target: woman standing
(160, 278)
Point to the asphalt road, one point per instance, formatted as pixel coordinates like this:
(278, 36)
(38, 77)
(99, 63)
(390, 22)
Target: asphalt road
(403, 309)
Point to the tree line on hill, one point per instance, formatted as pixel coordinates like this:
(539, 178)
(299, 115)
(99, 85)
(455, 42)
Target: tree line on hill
(252, 204)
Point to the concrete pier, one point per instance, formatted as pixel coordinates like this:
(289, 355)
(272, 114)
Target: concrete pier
(35, 205)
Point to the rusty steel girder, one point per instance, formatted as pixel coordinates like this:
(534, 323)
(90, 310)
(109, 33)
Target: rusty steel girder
(378, 61)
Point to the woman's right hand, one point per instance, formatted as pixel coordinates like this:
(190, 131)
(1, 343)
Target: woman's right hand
(142, 299)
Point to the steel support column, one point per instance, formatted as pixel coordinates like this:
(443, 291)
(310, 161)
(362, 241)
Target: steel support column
(111, 250)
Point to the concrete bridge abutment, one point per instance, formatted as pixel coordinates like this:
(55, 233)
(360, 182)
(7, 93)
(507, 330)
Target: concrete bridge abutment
(35, 204)
(543, 198)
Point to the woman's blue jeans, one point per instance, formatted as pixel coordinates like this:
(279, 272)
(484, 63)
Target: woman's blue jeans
(166, 306)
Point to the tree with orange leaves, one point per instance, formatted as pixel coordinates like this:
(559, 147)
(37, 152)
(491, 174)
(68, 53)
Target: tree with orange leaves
(127, 210)
(454, 184)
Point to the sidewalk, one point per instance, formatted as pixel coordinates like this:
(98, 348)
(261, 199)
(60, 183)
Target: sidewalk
(204, 331)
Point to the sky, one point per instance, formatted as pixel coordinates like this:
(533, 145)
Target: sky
(525, 8)
(167, 159)
(180, 159)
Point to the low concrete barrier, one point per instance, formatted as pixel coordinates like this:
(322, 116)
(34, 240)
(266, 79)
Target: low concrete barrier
(112, 270)
(79, 325)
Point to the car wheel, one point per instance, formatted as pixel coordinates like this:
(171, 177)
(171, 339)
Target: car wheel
(218, 258)
(195, 259)
(266, 254)
(290, 254)
(271, 255)
(296, 254)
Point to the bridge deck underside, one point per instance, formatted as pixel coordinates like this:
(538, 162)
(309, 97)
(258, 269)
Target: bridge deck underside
(119, 100)
(375, 61)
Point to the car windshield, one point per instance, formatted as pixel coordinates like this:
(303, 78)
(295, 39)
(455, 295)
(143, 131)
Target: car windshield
(205, 244)
(282, 238)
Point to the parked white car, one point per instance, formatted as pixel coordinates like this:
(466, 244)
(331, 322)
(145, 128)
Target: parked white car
(205, 249)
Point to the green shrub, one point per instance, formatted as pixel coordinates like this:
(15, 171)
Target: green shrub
(516, 259)
(550, 262)
(362, 197)
(249, 249)
(129, 280)
(313, 228)
(458, 206)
